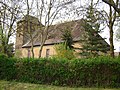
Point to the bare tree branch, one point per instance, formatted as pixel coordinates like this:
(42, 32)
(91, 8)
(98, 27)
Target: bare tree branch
(113, 4)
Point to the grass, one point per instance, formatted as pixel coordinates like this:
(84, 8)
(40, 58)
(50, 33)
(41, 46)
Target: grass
(7, 85)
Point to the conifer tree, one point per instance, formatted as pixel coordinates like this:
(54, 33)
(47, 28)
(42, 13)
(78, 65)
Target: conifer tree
(67, 38)
(92, 43)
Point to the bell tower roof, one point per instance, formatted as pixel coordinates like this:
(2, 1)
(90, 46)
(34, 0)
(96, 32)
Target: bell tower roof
(31, 18)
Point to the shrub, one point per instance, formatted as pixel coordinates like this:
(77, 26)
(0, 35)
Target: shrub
(62, 52)
(7, 68)
(92, 72)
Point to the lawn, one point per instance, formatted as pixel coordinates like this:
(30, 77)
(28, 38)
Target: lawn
(7, 85)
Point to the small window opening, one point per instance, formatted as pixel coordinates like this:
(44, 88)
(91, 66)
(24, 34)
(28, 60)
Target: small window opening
(47, 52)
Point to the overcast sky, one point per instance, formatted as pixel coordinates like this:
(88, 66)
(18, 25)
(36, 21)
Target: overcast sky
(104, 34)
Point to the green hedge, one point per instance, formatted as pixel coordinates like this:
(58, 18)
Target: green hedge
(7, 67)
(93, 72)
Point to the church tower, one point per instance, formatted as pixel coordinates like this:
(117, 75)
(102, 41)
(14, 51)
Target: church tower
(27, 25)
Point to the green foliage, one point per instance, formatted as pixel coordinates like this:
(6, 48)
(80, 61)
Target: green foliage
(92, 72)
(92, 43)
(18, 53)
(7, 49)
(64, 52)
(67, 37)
(7, 68)
(5, 46)
(10, 50)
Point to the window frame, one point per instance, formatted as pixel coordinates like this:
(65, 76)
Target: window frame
(47, 52)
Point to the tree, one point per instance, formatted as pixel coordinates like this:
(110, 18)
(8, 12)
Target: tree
(67, 37)
(47, 11)
(110, 19)
(28, 30)
(8, 16)
(28, 24)
(5, 48)
(92, 42)
(112, 16)
(113, 4)
(9, 50)
(30, 27)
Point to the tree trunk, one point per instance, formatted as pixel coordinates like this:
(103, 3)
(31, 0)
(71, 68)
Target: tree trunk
(40, 51)
(111, 33)
(32, 49)
(43, 39)
(111, 42)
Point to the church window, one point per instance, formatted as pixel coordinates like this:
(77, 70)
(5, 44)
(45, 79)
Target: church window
(47, 52)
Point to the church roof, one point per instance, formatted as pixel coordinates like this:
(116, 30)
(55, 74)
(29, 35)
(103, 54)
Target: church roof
(55, 33)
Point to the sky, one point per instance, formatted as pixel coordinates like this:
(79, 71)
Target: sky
(104, 34)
